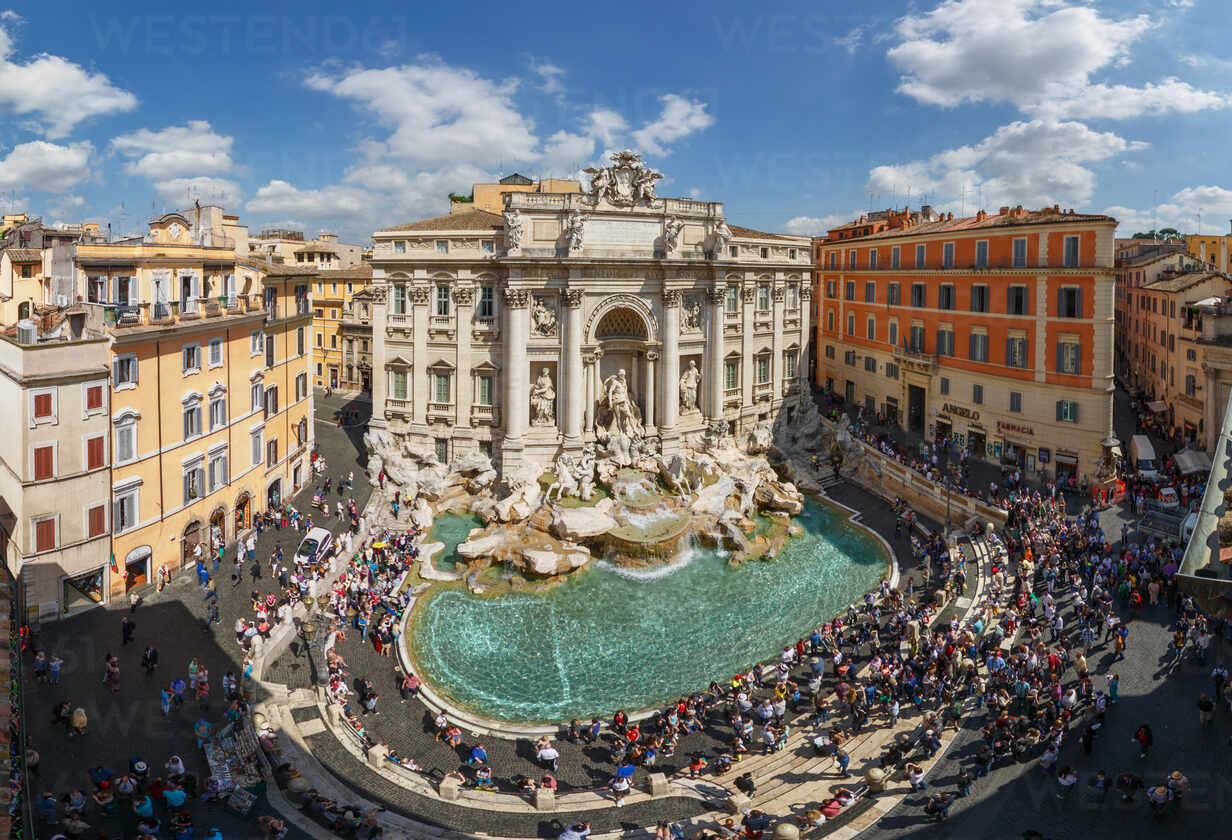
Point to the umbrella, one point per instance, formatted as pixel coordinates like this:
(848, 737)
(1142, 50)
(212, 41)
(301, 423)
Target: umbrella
(1169, 569)
(380, 544)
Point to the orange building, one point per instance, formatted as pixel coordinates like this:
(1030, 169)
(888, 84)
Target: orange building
(993, 329)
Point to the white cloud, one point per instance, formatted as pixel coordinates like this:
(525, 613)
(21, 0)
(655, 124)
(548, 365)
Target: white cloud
(46, 167)
(1039, 162)
(191, 149)
(551, 77)
(679, 118)
(1180, 211)
(605, 125)
(852, 40)
(59, 93)
(816, 225)
(1039, 55)
(68, 205)
(182, 191)
(1181, 4)
(280, 197)
(438, 114)
(565, 153)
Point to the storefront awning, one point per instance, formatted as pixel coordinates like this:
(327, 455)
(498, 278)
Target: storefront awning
(1190, 461)
(1157, 407)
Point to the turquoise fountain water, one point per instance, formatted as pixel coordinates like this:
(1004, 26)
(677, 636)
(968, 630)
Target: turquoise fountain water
(613, 638)
(452, 529)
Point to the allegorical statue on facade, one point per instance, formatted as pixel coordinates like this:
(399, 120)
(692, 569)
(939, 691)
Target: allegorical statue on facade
(626, 182)
(543, 318)
(575, 227)
(513, 229)
(722, 235)
(624, 417)
(691, 315)
(690, 380)
(543, 400)
(671, 234)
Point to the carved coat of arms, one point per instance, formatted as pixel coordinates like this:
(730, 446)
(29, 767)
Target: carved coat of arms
(625, 183)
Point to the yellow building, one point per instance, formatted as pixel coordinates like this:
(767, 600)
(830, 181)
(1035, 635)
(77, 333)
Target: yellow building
(1212, 249)
(490, 198)
(289, 247)
(333, 301)
(22, 283)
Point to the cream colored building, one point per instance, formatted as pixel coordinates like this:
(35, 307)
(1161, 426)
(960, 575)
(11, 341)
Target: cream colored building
(55, 484)
(325, 253)
(503, 333)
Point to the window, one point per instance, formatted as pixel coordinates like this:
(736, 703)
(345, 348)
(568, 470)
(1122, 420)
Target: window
(872, 258)
(43, 406)
(850, 358)
(45, 533)
(255, 446)
(124, 511)
(1067, 411)
(486, 390)
(44, 462)
(125, 440)
(1016, 300)
(333, 342)
(1069, 356)
(486, 246)
(849, 290)
(731, 375)
(977, 394)
(215, 352)
(945, 386)
(891, 370)
(271, 453)
(977, 350)
(829, 351)
(95, 453)
(793, 296)
(791, 254)
(96, 521)
(442, 300)
(764, 252)
(851, 259)
(830, 320)
(851, 324)
(830, 289)
(919, 295)
(1020, 253)
(833, 259)
(398, 306)
(400, 247)
(27, 271)
(1069, 302)
(442, 246)
(441, 448)
(892, 334)
(299, 341)
(945, 341)
(871, 329)
(919, 256)
(1191, 355)
(398, 384)
(1191, 385)
(1016, 402)
(440, 387)
(320, 339)
(487, 302)
(301, 386)
(192, 419)
(94, 398)
(271, 401)
(894, 294)
(217, 470)
(947, 255)
(763, 370)
(981, 254)
(1071, 252)
(870, 292)
(218, 412)
(733, 251)
(870, 364)
(255, 340)
(191, 357)
(895, 255)
(979, 298)
(731, 300)
(256, 399)
(194, 483)
(945, 296)
(916, 338)
(763, 297)
(1016, 352)
(789, 365)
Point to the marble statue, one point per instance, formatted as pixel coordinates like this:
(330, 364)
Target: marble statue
(574, 228)
(625, 417)
(543, 318)
(671, 234)
(626, 182)
(722, 235)
(513, 229)
(585, 473)
(543, 400)
(689, 382)
(691, 315)
(644, 185)
(566, 483)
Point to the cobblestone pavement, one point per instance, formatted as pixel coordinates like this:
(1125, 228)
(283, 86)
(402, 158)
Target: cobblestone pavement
(130, 722)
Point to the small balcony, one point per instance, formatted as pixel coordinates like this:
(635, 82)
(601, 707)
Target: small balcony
(485, 415)
(913, 359)
(441, 411)
(763, 390)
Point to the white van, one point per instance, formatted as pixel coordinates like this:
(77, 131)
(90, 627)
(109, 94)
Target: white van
(1142, 457)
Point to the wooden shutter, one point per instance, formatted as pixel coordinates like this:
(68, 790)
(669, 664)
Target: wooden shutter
(97, 521)
(94, 453)
(1058, 411)
(42, 405)
(45, 535)
(94, 397)
(44, 462)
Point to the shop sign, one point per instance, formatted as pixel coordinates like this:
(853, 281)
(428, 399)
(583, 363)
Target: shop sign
(1003, 426)
(1045, 455)
(960, 411)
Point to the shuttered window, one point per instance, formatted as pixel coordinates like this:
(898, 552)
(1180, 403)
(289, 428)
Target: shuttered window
(96, 523)
(94, 453)
(45, 534)
(44, 462)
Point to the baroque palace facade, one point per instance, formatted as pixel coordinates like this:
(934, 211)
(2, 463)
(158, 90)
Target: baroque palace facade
(516, 334)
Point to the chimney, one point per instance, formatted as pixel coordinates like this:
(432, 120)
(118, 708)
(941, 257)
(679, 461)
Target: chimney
(1003, 211)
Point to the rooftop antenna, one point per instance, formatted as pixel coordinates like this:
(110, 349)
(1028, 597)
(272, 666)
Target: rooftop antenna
(1199, 221)
(1155, 213)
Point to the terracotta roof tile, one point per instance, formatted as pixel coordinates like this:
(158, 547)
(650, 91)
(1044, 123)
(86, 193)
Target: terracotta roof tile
(1032, 217)
(757, 234)
(24, 254)
(470, 220)
(1181, 282)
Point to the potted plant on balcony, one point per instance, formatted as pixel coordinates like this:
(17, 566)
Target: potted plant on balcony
(175, 308)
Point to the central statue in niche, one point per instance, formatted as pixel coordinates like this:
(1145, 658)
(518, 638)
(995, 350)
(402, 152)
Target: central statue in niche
(622, 415)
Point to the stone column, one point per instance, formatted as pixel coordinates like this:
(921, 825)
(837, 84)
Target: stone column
(420, 386)
(669, 380)
(776, 347)
(588, 396)
(596, 385)
(464, 383)
(748, 364)
(517, 396)
(652, 357)
(574, 379)
(380, 376)
(714, 352)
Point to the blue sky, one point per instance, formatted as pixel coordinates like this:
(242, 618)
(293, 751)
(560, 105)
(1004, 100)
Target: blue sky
(797, 116)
